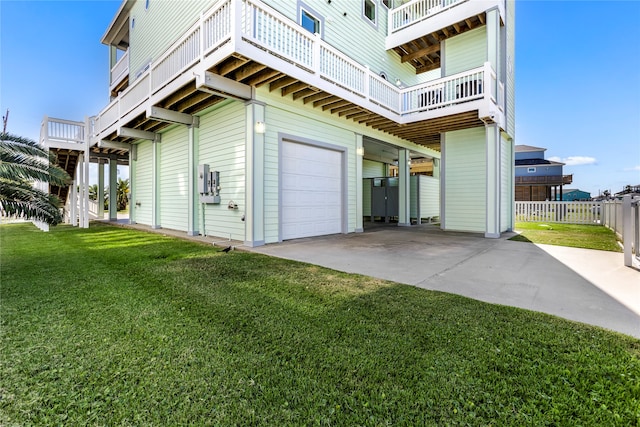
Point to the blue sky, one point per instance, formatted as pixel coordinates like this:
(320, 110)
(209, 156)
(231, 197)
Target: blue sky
(577, 77)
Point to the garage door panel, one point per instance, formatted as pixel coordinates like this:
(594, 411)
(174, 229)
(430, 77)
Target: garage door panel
(311, 184)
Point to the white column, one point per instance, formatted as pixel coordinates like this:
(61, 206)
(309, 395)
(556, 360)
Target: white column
(81, 194)
(492, 228)
(113, 184)
(155, 186)
(359, 210)
(133, 158)
(193, 199)
(404, 167)
(493, 44)
(254, 195)
(100, 195)
(73, 202)
(85, 187)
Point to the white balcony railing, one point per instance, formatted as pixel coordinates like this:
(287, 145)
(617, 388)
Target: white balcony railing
(59, 130)
(415, 11)
(120, 70)
(285, 45)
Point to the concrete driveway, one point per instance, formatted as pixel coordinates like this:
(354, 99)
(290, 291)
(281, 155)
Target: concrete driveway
(583, 285)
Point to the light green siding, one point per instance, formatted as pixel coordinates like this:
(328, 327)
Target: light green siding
(285, 119)
(366, 197)
(143, 180)
(506, 171)
(341, 31)
(370, 169)
(174, 179)
(373, 169)
(511, 63)
(153, 30)
(466, 51)
(465, 180)
(222, 147)
(425, 194)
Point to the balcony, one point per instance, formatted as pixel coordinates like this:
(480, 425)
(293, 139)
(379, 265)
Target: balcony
(242, 43)
(119, 75)
(416, 29)
(544, 180)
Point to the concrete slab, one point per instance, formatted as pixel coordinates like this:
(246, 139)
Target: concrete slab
(577, 284)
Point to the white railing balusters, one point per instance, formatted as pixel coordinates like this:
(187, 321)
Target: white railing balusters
(416, 11)
(119, 70)
(249, 21)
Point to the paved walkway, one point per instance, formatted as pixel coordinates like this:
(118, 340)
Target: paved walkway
(584, 285)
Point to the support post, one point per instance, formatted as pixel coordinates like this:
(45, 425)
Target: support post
(493, 173)
(85, 189)
(81, 192)
(155, 186)
(404, 197)
(627, 229)
(193, 199)
(254, 196)
(100, 195)
(359, 209)
(73, 202)
(133, 158)
(113, 187)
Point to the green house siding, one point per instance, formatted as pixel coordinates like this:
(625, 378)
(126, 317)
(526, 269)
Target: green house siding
(301, 124)
(373, 169)
(143, 180)
(510, 77)
(173, 179)
(341, 31)
(222, 147)
(466, 51)
(465, 180)
(506, 183)
(152, 30)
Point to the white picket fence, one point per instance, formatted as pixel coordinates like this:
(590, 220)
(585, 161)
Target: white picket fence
(621, 216)
(565, 212)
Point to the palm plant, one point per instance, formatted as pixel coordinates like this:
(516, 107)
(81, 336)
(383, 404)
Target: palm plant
(122, 194)
(22, 163)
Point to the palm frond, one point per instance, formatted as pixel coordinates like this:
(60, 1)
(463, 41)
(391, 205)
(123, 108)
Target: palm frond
(22, 200)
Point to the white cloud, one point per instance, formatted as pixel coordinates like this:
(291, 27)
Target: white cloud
(574, 160)
(635, 168)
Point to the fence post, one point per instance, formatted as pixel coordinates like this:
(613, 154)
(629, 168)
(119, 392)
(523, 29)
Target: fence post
(627, 229)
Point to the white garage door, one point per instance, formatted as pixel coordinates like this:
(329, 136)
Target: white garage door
(311, 191)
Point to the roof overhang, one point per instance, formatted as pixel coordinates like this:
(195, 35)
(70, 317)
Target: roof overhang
(117, 33)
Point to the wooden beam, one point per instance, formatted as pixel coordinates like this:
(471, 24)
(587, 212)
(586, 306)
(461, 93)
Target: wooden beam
(316, 97)
(325, 101)
(264, 77)
(284, 81)
(293, 88)
(422, 52)
(305, 92)
(336, 104)
(353, 109)
(230, 66)
(249, 71)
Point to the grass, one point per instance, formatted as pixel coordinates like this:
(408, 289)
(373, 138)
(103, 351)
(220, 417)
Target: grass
(112, 326)
(572, 235)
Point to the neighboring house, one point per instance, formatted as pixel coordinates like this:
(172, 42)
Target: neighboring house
(572, 195)
(628, 189)
(260, 121)
(538, 179)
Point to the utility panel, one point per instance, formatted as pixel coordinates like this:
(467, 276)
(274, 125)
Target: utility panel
(208, 185)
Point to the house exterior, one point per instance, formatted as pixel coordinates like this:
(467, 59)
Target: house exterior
(572, 195)
(261, 121)
(538, 179)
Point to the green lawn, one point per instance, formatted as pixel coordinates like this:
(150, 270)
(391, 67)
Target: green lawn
(573, 235)
(109, 326)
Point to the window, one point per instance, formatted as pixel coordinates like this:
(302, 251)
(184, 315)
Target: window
(387, 3)
(370, 10)
(310, 22)
(146, 5)
(531, 170)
